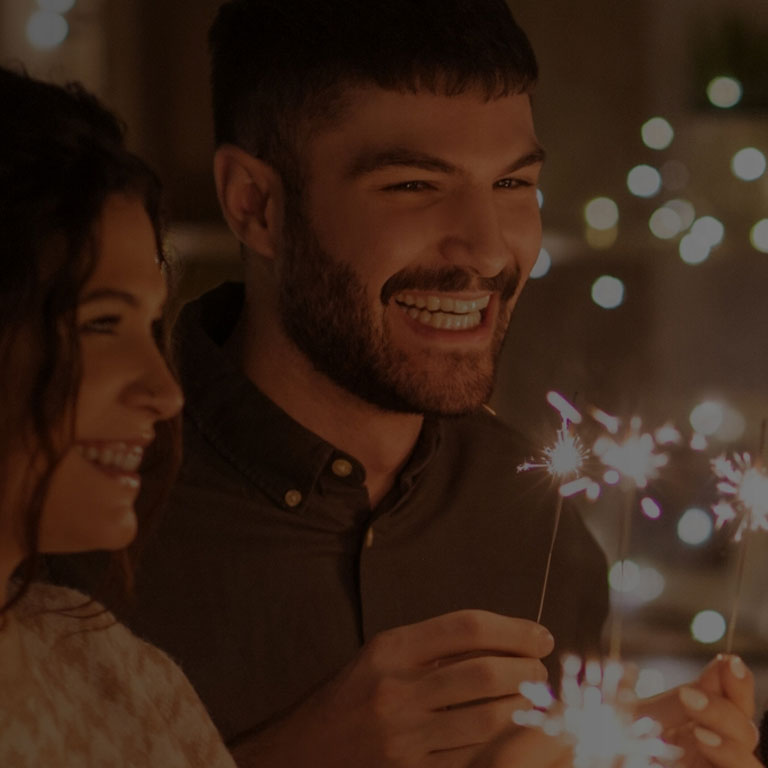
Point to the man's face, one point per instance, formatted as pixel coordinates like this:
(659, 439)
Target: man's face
(410, 243)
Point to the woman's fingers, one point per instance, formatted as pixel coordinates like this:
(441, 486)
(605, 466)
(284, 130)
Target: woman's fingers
(719, 715)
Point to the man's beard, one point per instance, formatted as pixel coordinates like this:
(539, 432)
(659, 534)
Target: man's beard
(324, 311)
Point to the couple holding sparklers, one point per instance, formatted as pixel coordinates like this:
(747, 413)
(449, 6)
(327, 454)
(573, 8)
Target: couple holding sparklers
(348, 553)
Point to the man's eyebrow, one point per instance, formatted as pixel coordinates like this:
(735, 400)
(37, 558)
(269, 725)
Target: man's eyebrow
(109, 293)
(369, 162)
(535, 157)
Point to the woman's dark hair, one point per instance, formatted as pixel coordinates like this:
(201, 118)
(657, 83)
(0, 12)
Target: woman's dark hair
(61, 155)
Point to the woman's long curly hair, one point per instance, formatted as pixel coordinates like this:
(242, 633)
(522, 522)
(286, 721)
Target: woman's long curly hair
(62, 154)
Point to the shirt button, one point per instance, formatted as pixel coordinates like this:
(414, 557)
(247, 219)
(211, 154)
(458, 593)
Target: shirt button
(341, 468)
(292, 498)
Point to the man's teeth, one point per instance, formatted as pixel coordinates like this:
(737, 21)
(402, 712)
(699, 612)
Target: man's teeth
(118, 456)
(443, 312)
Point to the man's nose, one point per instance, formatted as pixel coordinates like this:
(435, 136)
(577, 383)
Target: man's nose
(474, 236)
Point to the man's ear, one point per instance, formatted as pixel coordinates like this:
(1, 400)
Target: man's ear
(251, 197)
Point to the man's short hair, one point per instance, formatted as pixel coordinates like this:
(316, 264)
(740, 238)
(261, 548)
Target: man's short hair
(280, 68)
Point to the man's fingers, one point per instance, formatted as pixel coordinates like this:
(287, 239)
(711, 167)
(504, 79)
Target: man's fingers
(473, 724)
(482, 677)
(720, 715)
(457, 633)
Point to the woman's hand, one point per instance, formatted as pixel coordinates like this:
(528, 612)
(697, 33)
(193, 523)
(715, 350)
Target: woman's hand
(719, 731)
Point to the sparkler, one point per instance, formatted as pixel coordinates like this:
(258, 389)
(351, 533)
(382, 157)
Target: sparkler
(596, 718)
(743, 488)
(562, 460)
(634, 459)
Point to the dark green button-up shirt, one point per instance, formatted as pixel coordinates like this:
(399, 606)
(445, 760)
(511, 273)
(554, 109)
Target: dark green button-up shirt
(270, 569)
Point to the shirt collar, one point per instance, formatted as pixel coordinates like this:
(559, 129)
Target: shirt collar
(256, 436)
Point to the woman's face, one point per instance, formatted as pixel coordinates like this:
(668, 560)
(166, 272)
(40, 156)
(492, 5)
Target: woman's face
(125, 388)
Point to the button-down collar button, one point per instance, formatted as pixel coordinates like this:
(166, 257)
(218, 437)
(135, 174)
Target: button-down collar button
(341, 468)
(292, 498)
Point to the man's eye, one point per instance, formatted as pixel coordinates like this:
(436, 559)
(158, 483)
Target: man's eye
(102, 324)
(409, 186)
(513, 183)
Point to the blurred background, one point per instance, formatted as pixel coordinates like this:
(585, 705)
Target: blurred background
(650, 293)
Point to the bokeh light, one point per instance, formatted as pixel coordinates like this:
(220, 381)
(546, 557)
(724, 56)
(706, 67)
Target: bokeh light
(685, 210)
(708, 627)
(624, 576)
(759, 236)
(748, 164)
(640, 584)
(694, 250)
(724, 92)
(47, 30)
(601, 213)
(709, 230)
(644, 181)
(657, 133)
(650, 508)
(694, 526)
(608, 292)
(542, 265)
(665, 223)
(707, 417)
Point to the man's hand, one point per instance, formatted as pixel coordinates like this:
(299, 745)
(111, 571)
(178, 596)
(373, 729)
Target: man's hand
(524, 748)
(711, 719)
(429, 695)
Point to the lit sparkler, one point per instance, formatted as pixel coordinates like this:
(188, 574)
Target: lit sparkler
(563, 460)
(743, 488)
(634, 458)
(596, 718)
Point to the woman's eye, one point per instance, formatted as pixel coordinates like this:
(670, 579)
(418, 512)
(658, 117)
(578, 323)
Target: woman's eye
(103, 324)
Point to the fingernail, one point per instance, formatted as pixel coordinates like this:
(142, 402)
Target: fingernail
(546, 639)
(709, 738)
(738, 667)
(693, 699)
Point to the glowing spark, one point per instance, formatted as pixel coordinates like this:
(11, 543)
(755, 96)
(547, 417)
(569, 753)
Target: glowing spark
(635, 457)
(567, 412)
(596, 718)
(744, 491)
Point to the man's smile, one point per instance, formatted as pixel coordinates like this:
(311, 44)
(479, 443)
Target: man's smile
(443, 312)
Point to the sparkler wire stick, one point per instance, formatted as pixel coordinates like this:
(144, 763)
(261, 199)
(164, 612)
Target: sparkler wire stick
(558, 513)
(737, 599)
(625, 533)
(743, 545)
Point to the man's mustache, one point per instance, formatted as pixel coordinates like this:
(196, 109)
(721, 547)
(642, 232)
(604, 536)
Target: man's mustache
(450, 279)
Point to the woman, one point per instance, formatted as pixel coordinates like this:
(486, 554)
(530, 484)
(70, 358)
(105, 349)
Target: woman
(84, 389)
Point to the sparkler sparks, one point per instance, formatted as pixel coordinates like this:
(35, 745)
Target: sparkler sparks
(596, 718)
(744, 490)
(635, 457)
(564, 459)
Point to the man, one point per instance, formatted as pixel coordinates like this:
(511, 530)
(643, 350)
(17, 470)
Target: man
(350, 552)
